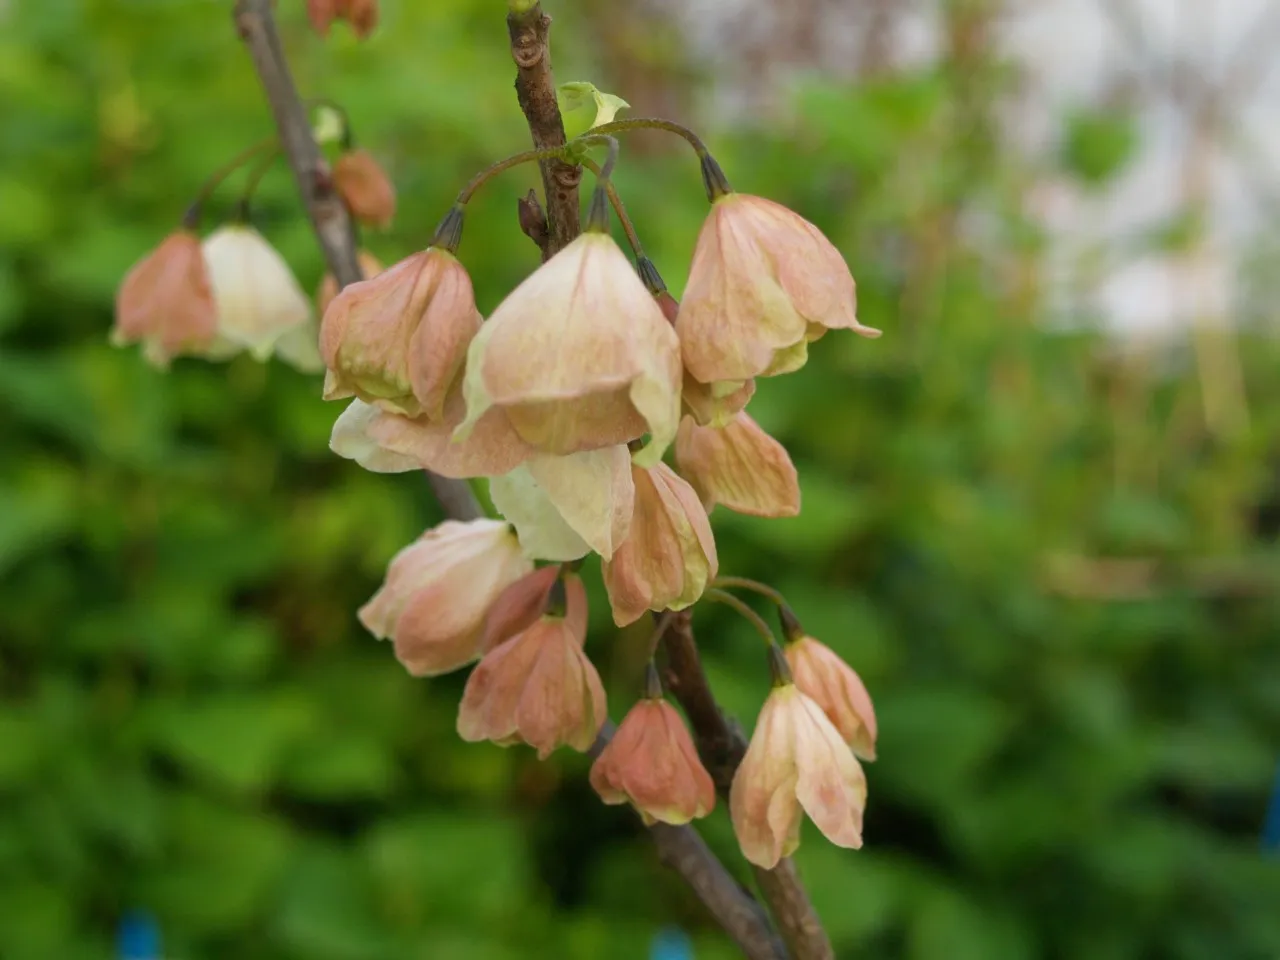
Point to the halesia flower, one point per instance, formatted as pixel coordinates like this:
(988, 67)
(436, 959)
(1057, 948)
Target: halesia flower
(257, 295)
(165, 302)
(833, 685)
(764, 283)
(370, 267)
(579, 356)
(361, 14)
(384, 442)
(669, 555)
(365, 188)
(566, 507)
(796, 763)
(740, 466)
(538, 687)
(652, 764)
(439, 590)
(399, 339)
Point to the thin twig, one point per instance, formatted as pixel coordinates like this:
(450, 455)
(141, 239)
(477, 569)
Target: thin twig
(681, 848)
(721, 746)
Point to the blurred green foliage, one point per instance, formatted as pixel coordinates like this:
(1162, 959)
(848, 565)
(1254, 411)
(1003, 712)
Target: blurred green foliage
(1073, 762)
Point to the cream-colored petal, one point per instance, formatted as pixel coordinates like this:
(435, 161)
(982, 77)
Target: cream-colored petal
(544, 534)
(592, 491)
(350, 439)
(257, 296)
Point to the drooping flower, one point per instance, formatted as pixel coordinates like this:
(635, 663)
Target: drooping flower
(365, 188)
(390, 443)
(165, 302)
(669, 555)
(796, 763)
(566, 507)
(538, 687)
(764, 283)
(740, 466)
(370, 267)
(361, 14)
(438, 591)
(652, 764)
(257, 295)
(399, 339)
(833, 685)
(579, 356)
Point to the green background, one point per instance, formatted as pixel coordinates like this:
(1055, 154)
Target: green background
(192, 722)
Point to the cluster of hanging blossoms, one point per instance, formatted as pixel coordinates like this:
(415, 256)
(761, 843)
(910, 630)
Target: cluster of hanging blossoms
(566, 401)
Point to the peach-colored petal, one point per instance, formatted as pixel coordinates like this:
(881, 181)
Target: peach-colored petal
(361, 182)
(831, 786)
(398, 340)
(669, 555)
(518, 607)
(166, 301)
(710, 409)
(738, 466)
(370, 267)
(579, 355)
(488, 708)
(837, 689)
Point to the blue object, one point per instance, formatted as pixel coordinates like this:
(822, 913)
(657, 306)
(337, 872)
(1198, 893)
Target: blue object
(671, 944)
(138, 937)
(1271, 829)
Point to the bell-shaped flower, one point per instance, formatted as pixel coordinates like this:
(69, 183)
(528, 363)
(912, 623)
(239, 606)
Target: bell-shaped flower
(832, 684)
(740, 466)
(370, 267)
(365, 188)
(566, 507)
(399, 339)
(764, 283)
(390, 443)
(361, 14)
(257, 295)
(579, 356)
(669, 555)
(797, 763)
(538, 687)
(652, 764)
(165, 302)
(439, 590)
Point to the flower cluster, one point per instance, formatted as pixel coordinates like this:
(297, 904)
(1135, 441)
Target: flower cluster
(566, 401)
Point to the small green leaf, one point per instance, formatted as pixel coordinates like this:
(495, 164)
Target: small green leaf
(584, 107)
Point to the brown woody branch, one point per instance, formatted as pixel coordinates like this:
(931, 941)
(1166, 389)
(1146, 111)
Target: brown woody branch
(681, 848)
(721, 746)
(536, 91)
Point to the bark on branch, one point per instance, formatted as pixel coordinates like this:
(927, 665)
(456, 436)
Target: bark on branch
(681, 848)
(721, 746)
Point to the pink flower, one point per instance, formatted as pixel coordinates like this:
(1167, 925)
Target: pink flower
(740, 466)
(166, 303)
(538, 687)
(365, 188)
(652, 764)
(669, 555)
(796, 763)
(579, 356)
(834, 686)
(763, 284)
(399, 339)
(439, 590)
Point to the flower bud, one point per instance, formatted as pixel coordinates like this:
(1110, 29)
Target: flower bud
(833, 685)
(439, 590)
(399, 340)
(652, 764)
(580, 356)
(740, 466)
(763, 284)
(361, 14)
(669, 554)
(165, 302)
(538, 687)
(566, 507)
(370, 267)
(257, 296)
(365, 188)
(796, 763)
